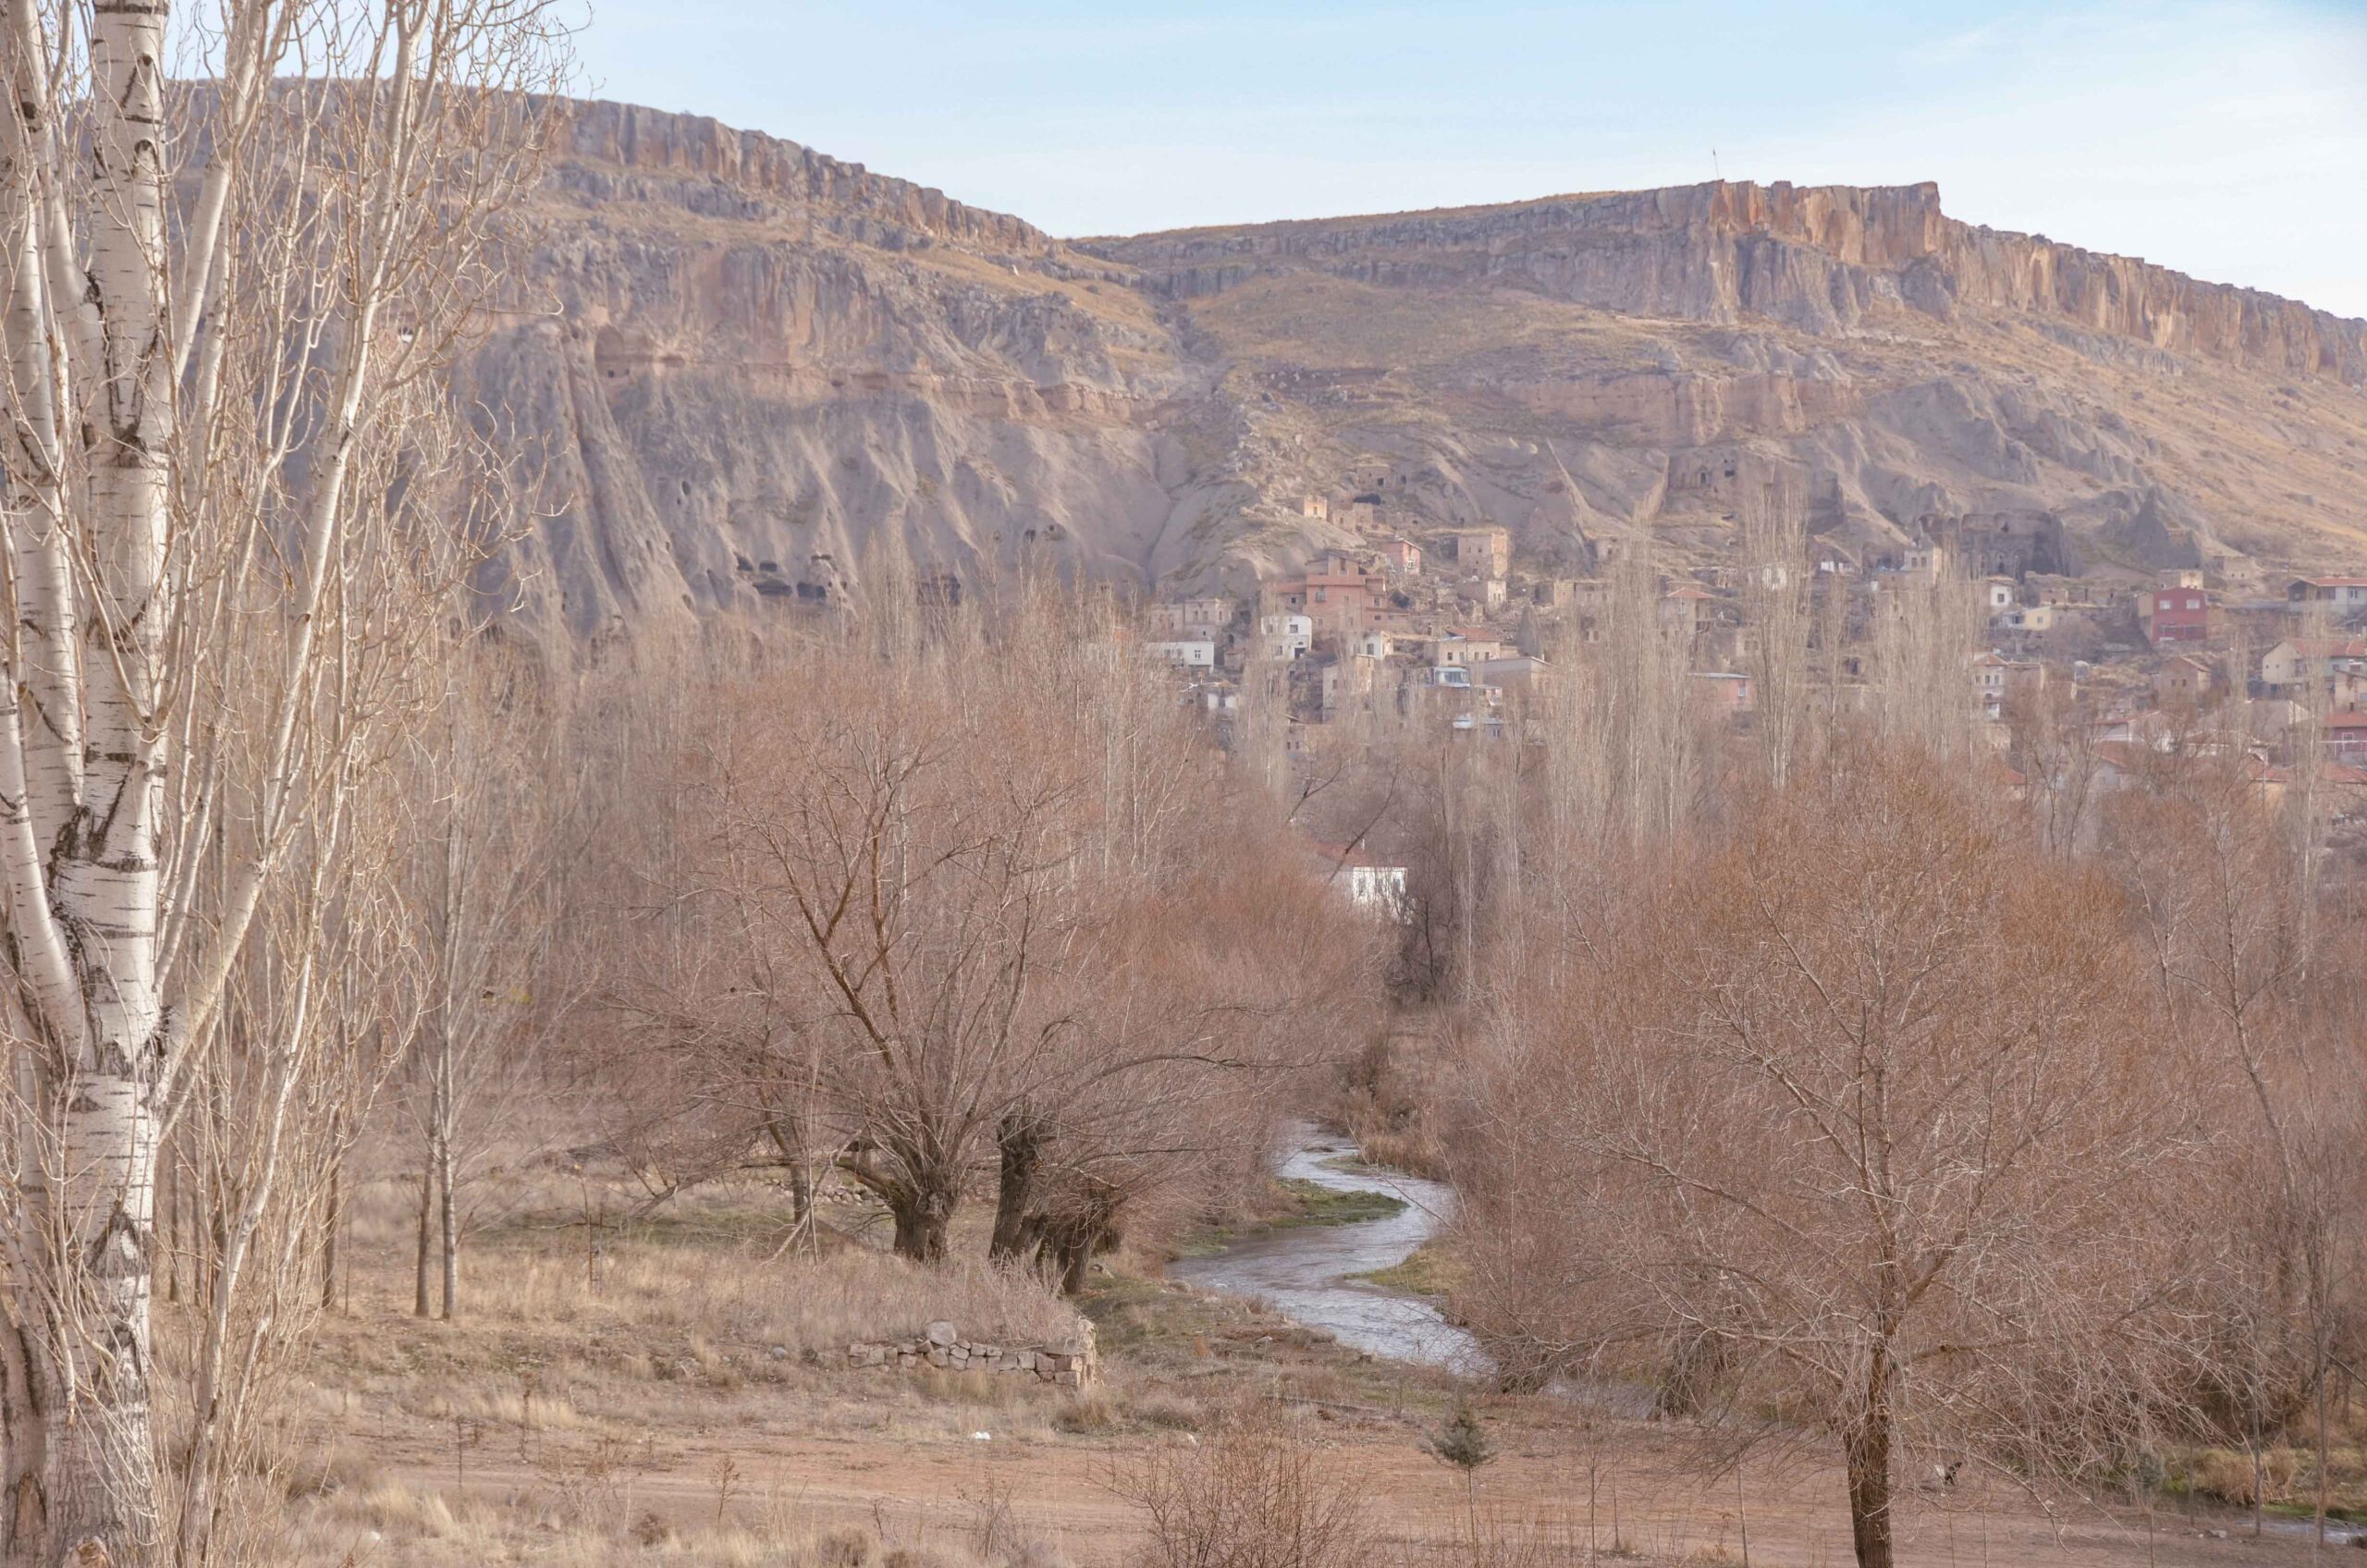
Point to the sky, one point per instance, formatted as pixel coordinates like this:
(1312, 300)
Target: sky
(2224, 138)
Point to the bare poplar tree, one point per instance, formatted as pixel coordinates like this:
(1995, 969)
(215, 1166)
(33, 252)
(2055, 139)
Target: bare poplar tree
(305, 1043)
(494, 821)
(227, 311)
(1926, 628)
(1776, 619)
(2055, 743)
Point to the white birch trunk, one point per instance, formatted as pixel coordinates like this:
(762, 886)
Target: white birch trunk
(98, 1492)
(150, 478)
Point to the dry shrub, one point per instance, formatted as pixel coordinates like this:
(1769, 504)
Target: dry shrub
(1168, 1413)
(1388, 1099)
(1084, 1414)
(1527, 1537)
(2228, 1475)
(1251, 1494)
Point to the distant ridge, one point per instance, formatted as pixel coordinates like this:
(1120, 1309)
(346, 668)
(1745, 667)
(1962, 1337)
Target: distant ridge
(1809, 255)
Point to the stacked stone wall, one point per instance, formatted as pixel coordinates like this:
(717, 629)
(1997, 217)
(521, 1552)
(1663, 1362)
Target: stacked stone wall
(1073, 1365)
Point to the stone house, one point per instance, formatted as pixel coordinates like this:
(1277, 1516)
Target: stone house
(2186, 681)
(1487, 550)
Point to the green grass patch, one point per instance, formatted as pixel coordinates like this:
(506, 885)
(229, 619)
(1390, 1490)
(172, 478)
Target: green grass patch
(1298, 1204)
(1426, 1271)
(1315, 1204)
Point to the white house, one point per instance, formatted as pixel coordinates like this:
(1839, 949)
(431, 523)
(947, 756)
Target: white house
(2289, 664)
(1185, 653)
(1286, 636)
(1380, 888)
(1462, 648)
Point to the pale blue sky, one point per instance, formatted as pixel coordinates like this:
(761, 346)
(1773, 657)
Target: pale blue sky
(2225, 138)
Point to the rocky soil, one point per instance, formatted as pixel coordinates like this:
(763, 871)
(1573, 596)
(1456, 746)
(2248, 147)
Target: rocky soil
(743, 373)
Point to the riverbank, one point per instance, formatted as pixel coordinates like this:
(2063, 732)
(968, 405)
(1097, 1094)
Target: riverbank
(1320, 1276)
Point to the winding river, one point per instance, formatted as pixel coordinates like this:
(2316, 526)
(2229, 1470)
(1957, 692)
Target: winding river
(1305, 1271)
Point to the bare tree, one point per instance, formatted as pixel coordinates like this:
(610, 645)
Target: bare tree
(305, 1044)
(2210, 873)
(1926, 628)
(1856, 1123)
(222, 376)
(1776, 620)
(2055, 743)
(495, 822)
(931, 931)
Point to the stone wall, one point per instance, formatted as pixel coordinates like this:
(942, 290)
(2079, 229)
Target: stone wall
(1073, 1365)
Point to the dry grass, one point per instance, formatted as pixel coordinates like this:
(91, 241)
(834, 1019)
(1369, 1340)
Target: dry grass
(396, 1523)
(714, 1272)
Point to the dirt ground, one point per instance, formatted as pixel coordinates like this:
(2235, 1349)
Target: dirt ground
(643, 1434)
(935, 1491)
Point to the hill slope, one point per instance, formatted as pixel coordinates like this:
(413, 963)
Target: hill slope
(766, 365)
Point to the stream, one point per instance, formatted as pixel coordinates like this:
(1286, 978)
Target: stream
(1303, 1270)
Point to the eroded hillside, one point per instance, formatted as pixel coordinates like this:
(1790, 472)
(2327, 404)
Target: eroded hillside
(765, 365)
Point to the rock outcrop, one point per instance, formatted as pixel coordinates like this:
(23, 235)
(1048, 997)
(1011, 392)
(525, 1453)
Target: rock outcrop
(1818, 257)
(744, 374)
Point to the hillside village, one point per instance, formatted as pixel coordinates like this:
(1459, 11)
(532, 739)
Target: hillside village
(1453, 628)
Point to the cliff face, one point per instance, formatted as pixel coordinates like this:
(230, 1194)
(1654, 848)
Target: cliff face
(746, 374)
(1817, 258)
(757, 368)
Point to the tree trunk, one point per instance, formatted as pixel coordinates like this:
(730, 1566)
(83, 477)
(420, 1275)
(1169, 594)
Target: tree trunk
(168, 1196)
(921, 1221)
(1867, 1449)
(801, 1193)
(791, 1146)
(419, 1304)
(1019, 1144)
(331, 1223)
(96, 1260)
(449, 1223)
(2318, 1539)
(100, 1494)
(1076, 1258)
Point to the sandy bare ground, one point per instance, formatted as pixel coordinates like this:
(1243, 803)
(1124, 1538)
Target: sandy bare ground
(1625, 1486)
